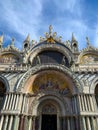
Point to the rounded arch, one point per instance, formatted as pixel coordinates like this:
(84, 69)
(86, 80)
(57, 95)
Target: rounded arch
(5, 82)
(93, 85)
(65, 51)
(59, 68)
(14, 55)
(96, 90)
(3, 90)
(87, 53)
(41, 100)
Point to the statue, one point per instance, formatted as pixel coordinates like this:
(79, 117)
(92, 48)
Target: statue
(88, 42)
(50, 30)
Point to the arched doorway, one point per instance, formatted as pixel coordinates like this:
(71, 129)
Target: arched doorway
(49, 113)
(49, 117)
(2, 93)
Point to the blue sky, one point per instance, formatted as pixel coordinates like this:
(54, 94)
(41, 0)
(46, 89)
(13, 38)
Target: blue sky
(20, 17)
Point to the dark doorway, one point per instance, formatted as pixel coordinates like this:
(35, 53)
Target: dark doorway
(49, 122)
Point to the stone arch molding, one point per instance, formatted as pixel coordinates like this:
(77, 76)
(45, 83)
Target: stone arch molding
(60, 68)
(4, 80)
(41, 100)
(93, 85)
(39, 49)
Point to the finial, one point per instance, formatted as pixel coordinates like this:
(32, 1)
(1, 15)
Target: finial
(54, 34)
(13, 40)
(50, 30)
(41, 39)
(33, 42)
(60, 37)
(88, 42)
(46, 35)
(73, 37)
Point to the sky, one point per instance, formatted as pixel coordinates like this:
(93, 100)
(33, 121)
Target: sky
(18, 18)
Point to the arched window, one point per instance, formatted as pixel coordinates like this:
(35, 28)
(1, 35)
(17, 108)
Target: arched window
(50, 56)
(2, 93)
(96, 94)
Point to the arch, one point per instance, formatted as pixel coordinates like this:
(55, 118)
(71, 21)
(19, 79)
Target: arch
(54, 47)
(3, 90)
(11, 54)
(4, 80)
(87, 53)
(93, 85)
(41, 100)
(50, 56)
(59, 68)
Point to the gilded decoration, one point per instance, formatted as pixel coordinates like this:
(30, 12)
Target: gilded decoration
(8, 58)
(51, 36)
(50, 40)
(49, 81)
(89, 59)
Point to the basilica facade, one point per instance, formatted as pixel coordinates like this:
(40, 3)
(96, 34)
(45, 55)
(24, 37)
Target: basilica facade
(48, 85)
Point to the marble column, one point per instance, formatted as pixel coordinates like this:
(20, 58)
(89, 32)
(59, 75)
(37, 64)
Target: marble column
(93, 124)
(5, 102)
(16, 123)
(79, 103)
(6, 123)
(23, 108)
(95, 103)
(13, 104)
(30, 124)
(82, 101)
(7, 106)
(88, 123)
(75, 103)
(21, 123)
(17, 101)
(85, 102)
(20, 102)
(34, 118)
(68, 124)
(88, 102)
(84, 123)
(91, 102)
(76, 123)
(10, 123)
(11, 101)
(1, 122)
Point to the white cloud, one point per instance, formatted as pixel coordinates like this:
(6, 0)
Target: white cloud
(22, 18)
(25, 17)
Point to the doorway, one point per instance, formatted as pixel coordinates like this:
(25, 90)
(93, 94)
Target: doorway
(49, 122)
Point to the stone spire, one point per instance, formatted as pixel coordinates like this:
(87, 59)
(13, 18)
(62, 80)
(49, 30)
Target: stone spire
(1, 40)
(26, 43)
(74, 43)
(27, 38)
(73, 38)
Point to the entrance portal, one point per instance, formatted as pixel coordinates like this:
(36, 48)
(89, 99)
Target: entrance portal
(49, 122)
